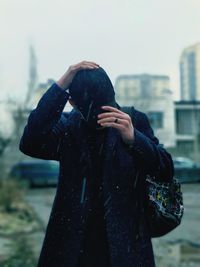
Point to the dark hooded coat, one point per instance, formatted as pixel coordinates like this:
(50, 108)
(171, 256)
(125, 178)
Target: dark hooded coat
(53, 134)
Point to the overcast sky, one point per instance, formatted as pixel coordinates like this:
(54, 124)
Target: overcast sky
(123, 36)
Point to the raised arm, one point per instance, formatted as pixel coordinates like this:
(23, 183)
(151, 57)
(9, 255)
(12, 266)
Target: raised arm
(47, 123)
(45, 126)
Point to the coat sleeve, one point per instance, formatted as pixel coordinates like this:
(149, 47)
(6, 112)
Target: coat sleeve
(151, 156)
(46, 126)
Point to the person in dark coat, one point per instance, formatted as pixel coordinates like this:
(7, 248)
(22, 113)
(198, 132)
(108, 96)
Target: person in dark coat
(96, 219)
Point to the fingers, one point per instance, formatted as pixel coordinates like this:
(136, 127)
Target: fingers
(111, 115)
(87, 65)
(73, 69)
(90, 62)
(120, 115)
(108, 119)
(114, 125)
(123, 123)
(109, 108)
(112, 119)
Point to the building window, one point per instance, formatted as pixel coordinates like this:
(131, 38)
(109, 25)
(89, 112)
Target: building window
(126, 92)
(184, 122)
(156, 119)
(145, 87)
(185, 145)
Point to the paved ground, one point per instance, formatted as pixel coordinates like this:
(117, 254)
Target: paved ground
(189, 228)
(187, 234)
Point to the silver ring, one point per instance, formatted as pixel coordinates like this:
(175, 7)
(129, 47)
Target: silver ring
(116, 120)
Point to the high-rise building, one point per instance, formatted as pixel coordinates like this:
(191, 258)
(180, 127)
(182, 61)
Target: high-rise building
(190, 73)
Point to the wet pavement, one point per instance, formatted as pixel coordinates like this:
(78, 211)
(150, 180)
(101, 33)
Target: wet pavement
(179, 248)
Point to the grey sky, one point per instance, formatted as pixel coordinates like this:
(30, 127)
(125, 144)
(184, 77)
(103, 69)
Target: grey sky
(124, 37)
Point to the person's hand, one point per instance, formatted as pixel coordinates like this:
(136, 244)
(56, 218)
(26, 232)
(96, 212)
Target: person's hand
(117, 119)
(68, 76)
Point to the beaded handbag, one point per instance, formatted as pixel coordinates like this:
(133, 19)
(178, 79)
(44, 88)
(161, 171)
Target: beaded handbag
(165, 205)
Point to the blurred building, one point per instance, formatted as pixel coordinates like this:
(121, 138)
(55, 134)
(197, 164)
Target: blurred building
(40, 90)
(150, 94)
(190, 73)
(131, 87)
(187, 116)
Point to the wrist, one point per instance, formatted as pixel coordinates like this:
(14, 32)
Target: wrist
(66, 90)
(130, 141)
(63, 83)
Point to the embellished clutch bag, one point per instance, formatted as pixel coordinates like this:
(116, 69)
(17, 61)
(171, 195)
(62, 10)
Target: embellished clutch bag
(164, 205)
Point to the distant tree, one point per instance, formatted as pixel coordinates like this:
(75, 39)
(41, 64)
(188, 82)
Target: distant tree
(33, 76)
(6, 127)
(12, 111)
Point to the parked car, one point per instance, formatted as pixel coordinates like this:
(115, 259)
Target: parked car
(37, 172)
(183, 162)
(186, 170)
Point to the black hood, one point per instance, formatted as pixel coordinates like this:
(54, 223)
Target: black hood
(90, 89)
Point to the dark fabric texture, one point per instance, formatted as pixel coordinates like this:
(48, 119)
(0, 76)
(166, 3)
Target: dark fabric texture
(53, 134)
(95, 251)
